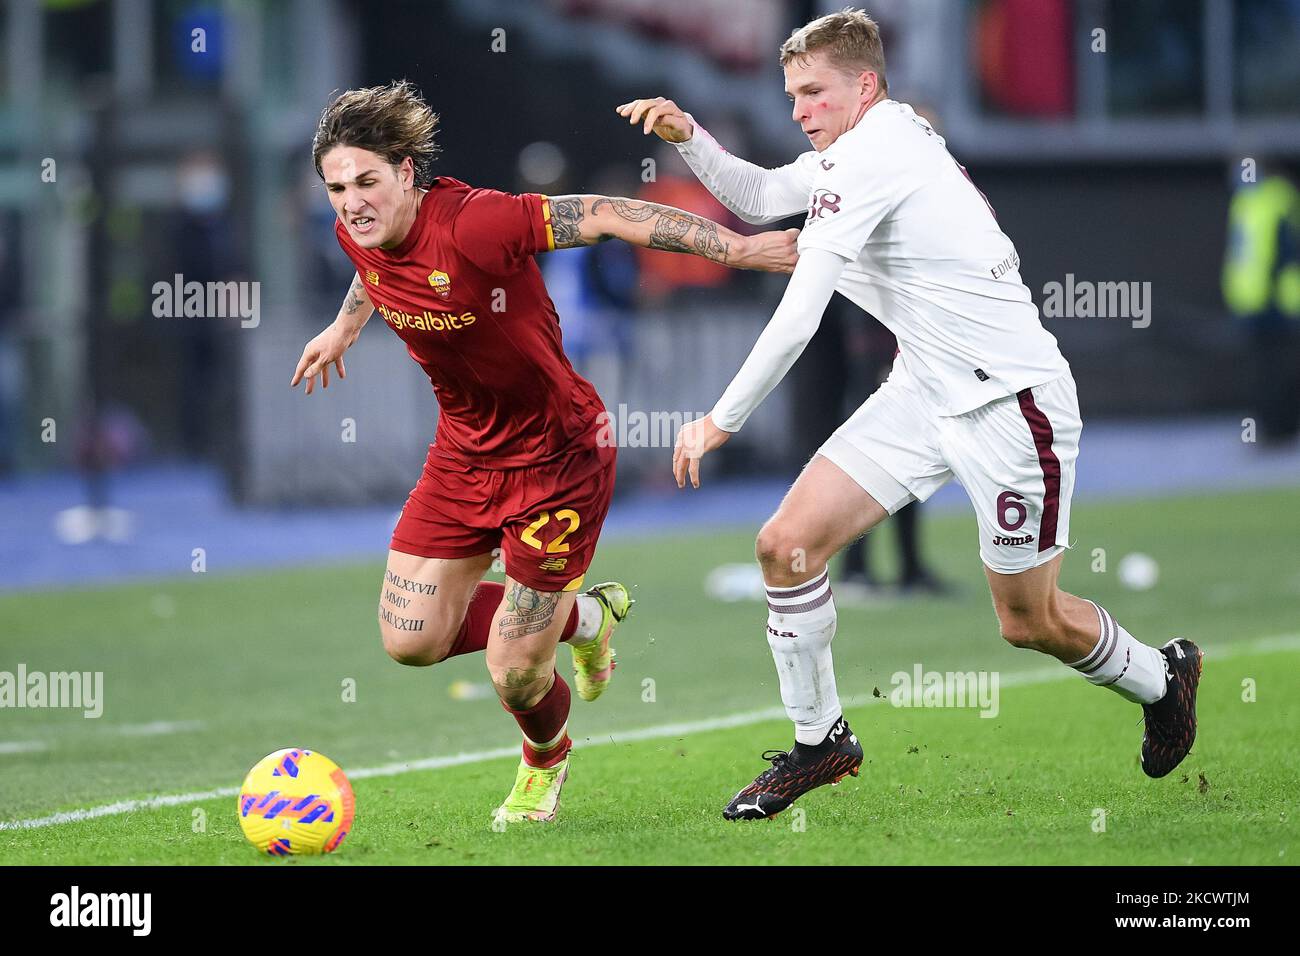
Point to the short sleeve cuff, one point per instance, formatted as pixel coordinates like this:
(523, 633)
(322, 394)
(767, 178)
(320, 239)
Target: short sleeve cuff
(543, 237)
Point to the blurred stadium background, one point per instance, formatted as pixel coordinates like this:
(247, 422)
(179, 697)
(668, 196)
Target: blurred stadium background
(142, 140)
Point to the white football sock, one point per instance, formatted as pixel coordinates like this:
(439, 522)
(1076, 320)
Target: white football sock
(800, 626)
(589, 617)
(1121, 662)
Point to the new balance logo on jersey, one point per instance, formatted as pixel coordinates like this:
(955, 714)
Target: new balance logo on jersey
(823, 203)
(827, 165)
(1005, 539)
(982, 375)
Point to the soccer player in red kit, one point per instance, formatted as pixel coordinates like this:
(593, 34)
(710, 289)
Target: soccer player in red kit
(516, 464)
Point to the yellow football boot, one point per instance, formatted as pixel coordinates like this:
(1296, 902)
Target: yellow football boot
(593, 660)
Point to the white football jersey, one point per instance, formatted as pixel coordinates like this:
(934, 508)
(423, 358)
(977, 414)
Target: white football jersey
(925, 254)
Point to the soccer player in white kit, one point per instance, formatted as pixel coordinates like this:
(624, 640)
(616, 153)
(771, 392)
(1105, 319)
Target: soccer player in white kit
(979, 391)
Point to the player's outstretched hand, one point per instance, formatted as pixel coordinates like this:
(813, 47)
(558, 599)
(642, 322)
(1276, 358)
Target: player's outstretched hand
(663, 116)
(694, 441)
(773, 251)
(320, 353)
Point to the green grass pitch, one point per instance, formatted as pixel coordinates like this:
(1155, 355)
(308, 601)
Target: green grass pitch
(245, 664)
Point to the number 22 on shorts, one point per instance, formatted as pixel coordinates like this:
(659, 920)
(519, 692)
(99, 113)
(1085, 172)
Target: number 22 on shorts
(557, 545)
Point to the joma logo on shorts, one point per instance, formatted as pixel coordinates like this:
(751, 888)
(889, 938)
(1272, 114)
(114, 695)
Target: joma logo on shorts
(1004, 539)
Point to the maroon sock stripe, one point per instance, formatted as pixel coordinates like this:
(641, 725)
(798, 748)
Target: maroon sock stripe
(1113, 635)
(1114, 643)
(1101, 639)
(800, 608)
(802, 589)
(1108, 648)
(1041, 429)
(1105, 643)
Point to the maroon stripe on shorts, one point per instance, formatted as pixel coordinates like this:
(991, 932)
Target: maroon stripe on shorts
(1041, 429)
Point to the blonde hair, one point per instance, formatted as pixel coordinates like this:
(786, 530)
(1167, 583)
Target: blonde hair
(850, 39)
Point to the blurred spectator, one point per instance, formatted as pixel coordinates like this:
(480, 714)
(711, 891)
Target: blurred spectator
(1155, 52)
(205, 251)
(326, 274)
(1024, 57)
(1261, 285)
(737, 34)
(12, 382)
(912, 31)
(1265, 35)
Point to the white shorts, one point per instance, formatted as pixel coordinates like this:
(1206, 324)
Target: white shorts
(1014, 456)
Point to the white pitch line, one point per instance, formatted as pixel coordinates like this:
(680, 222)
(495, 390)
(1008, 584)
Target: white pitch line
(22, 746)
(1263, 645)
(157, 728)
(1280, 642)
(112, 809)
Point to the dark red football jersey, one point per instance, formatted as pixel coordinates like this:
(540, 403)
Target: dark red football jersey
(464, 294)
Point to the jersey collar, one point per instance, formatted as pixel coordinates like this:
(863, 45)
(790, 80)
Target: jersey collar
(417, 227)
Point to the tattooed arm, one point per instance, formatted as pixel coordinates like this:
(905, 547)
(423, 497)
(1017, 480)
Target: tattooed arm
(587, 220)
(356, 309)
(755, 194)
(327, 348)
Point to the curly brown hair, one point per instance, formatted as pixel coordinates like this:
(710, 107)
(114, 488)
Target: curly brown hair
(391, 121)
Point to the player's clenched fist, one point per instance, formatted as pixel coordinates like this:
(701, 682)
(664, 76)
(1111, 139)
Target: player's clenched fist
(321, 352)
(774, 251)
(663, 116)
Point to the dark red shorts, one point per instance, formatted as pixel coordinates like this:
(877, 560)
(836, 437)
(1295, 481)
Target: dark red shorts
(544, 518)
